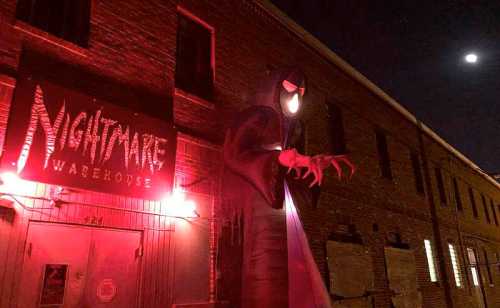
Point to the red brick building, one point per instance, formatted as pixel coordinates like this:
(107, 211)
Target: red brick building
(418, 219)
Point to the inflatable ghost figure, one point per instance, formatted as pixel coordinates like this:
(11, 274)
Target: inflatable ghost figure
(273, 266)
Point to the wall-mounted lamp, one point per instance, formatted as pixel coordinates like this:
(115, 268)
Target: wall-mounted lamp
(176, 205)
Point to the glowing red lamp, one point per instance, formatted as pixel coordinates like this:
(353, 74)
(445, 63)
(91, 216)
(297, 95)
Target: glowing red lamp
(11, 183)
(9, 178)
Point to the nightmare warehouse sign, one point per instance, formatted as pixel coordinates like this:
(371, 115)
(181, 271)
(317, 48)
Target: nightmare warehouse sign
(61, 136)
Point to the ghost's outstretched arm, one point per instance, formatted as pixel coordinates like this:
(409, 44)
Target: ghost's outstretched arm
(247, 153)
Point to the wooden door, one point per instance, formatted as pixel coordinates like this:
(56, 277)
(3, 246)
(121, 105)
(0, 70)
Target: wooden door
(113, 269)
(55, 266)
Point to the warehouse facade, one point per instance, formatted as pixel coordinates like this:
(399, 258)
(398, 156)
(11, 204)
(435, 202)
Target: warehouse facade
(418, 223)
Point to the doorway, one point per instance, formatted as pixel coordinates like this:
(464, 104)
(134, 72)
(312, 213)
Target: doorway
(75, 266)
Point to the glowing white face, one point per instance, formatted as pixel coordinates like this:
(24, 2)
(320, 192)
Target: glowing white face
(293, 104)
(471, 58)
(291, 98)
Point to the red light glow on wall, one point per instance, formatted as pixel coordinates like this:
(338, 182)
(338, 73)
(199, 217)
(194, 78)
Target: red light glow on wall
(14, 185)
(176, 204)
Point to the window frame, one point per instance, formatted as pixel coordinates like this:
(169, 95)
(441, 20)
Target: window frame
(485, 208)
(417, 172)
(455, 265)
(431, 262)
(472, 200)
(471, 252)
(488, 269)
(440, 185)
(28, 25)
(458, 197)
(179, 90)
(338, 144)
(383, 154)
(494, 212)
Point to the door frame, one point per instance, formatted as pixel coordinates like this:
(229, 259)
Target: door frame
(31, 222)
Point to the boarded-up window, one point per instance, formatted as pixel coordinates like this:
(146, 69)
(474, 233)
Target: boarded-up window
(336, 130)
(440, 185)
(67, 19)
(402, 276)
(351, 269)
(473, 203)
(193, 70)
(383, 155)
(486, 211)
(458, 199)
(417, 172)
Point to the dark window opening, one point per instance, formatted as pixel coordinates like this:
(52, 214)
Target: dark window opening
(473, 203)
(458, 199)
(440, 184)
(487, 264)
(383, 154)
(336, 130)
(417, 172)
(493, 212)
(486, 212)
(395, 240)
(67, 19)
(346, 233)
(193, 70)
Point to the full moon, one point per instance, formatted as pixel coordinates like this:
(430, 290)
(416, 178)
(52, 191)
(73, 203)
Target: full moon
(471, 58)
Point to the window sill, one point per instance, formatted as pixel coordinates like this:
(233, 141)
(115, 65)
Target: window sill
(29, 30)
(194, 99)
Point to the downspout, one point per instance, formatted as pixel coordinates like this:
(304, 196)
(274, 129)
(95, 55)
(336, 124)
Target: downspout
(434, 219)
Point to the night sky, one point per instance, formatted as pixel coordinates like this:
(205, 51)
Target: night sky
(414, 51)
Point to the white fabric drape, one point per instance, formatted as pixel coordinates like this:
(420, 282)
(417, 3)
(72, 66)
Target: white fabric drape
(305, 286)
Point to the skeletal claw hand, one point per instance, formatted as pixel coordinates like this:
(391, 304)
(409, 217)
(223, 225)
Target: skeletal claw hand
(345, 160)
(325, 160)
(297, 171)
(314, 169)
(314, 165)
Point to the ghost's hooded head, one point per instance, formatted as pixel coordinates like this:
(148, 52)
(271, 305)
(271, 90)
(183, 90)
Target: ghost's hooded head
(282, 90)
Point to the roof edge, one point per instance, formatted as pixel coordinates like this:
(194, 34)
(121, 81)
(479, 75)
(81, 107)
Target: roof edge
(331, 56)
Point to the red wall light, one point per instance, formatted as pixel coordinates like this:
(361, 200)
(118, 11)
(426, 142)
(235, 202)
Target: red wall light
(11, 183)
(176, 205)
